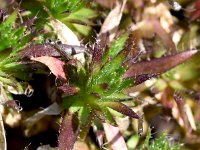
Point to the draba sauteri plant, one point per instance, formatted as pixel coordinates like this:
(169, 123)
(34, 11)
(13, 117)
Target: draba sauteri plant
(118, 74)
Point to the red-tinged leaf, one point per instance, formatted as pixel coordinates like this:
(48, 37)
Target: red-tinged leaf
(68, 132)
(120, 107)
(114, 137)
(196, 13)
(39, 50)
(164, 36)
(12, 104)
(55, 65)
(158, 65)
(69, 90)
(133, 44)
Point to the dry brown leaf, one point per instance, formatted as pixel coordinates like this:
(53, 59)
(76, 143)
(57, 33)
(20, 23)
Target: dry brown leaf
(112, 21)
(53, 109)
(106, 3)
(67, 36)
(64, 33)
(3, 144)
(190, 117)
(164, 36)
(114, 137)
(3, 95)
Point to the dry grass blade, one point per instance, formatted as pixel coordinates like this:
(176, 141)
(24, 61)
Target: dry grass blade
(3, 144)
(181, 108)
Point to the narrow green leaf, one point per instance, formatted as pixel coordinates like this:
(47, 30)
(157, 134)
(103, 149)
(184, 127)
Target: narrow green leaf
(109, 116)
(117, 45)
(84, 15)
(118, 87)
(84, 115)
(117, 97)
(120, 107)
(18, 33)
(6, 26)
(116, 63)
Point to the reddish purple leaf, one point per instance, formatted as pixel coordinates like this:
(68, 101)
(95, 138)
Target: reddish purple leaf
(68, 132)
(97, 52)
(55, 65)
(30, 22)
(69, 90)
(158, 65)
(120, 107)
(196, 13)
(114, 137)
(142, 78)
(39, 50)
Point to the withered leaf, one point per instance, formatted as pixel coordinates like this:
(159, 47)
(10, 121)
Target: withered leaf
(164, 36)
(3, 143)
(112, 20)
(114, 137)
(181, 108)
(64, 33)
